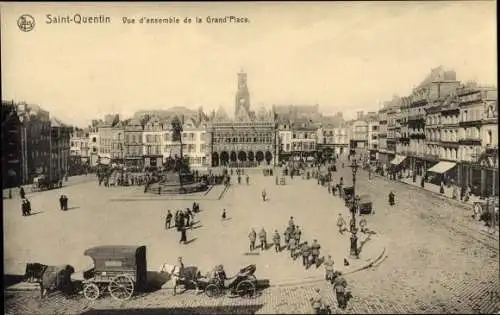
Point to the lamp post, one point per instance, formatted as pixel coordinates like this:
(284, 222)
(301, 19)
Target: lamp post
(354, 238)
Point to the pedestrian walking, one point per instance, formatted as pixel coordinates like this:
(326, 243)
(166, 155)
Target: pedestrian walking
(329, 268)
(462, 193)
(168, 220)
(24, 209)
(187, 218)
(61, 202)
(305, 251)
(339, 286)
(22, 193)
(176, 219)
(224, 215)
(248, 179)
(441, 188)
(177, 273)
(263, 239)
(239, 179)
(341, 224)
(252, 237)
(391, 199)
(315, 248)
(277, 241)
(264, 194)
(28, 207)
(190, 216)
(297, 233)
(291, 223)
(65, 202)
(317, 301)
(293, 248)
(287, 235)
(183, 239)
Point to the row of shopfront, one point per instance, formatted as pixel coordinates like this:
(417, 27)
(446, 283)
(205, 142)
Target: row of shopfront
(481, 176)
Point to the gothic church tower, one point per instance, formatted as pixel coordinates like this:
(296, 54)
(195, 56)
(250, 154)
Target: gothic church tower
(242, 98)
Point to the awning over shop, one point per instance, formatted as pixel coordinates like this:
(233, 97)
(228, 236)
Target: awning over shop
(398, 160)
(442, 167)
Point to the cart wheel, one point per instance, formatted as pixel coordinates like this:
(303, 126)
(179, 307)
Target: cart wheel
(213, 291)
(121, 287)
(245, 289)
(91, 291)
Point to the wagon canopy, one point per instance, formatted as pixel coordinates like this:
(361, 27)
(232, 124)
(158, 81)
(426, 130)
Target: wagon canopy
(120, 257)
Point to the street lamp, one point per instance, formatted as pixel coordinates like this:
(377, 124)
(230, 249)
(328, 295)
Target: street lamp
(354, 238)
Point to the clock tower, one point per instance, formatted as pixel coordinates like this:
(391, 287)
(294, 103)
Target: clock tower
(242, 98)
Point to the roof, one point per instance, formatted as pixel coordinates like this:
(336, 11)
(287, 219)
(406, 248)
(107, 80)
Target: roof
(114, 251)
(54, 122)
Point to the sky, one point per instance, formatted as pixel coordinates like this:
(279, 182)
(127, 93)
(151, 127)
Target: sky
(343, 56)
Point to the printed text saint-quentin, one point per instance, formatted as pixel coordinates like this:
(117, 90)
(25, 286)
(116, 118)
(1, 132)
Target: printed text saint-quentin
(77, 18)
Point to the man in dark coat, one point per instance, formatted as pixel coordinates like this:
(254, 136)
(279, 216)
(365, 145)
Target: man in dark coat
(22, 193)
(24, 207)
(277, 241)
(182, 228)
(168, 220)
(252, 237)
(305, 250)
(315, 247)
(65, 202)
(263, 239)
(61, 202)
(339, 286)
(296, 234)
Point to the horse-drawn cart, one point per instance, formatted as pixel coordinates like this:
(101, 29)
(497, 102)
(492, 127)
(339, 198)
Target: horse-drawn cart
(243, 284)
(365, 204)
(119, 269)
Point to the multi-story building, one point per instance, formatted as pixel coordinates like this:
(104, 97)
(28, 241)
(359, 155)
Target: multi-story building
(294, 112)
(196, 142)
(435, 88)
(59, 148)
(284, 139)
(382, 136)
(244, 141)
(79, 143)
(478, 138)
(79, 153)
(94, 143)
(111, 138)
(393, 135)
(249, 139)
(35, 140)
(358, 138)
(133, 143)
(433, 132)
(303, 142)
(154, 129)
(335, 139)
(11, 146)
(373, 128)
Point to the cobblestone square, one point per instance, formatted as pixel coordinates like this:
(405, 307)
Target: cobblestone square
(436, 255)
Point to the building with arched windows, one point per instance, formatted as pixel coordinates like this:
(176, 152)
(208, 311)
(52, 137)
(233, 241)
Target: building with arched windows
(247, 140)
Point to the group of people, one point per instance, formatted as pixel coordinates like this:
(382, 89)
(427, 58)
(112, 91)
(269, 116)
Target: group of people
(63, 202)
(339, 286)
(292, 235)
(26, 207)
(182, 220)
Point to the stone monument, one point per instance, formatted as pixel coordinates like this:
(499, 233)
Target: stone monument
(176, 177)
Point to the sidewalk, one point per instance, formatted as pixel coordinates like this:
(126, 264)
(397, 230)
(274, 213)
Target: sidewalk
(447, 195)
(72, 180)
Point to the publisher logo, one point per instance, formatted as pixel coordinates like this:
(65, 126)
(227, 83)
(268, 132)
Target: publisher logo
(26, 23)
